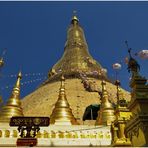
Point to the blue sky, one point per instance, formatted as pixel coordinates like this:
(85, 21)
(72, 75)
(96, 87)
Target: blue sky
(34, 34)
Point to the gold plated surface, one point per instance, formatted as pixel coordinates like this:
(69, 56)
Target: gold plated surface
(36, 103)
(106, 113)
(76, 58)
(62, 113)
(13, 106)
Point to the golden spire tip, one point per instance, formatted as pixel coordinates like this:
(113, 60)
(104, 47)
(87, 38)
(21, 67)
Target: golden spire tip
(74, 18)
(103, 85)
(19, 75)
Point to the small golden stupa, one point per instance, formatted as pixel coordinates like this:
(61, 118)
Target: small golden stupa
(106, 113)
(13, 106)
(62, 113)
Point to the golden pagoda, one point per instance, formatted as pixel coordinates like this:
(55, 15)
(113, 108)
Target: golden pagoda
(13, 106)
(84, 80)
(106, 112)
(122, 116)
(83, 76)
(62, 113)
(76, 54)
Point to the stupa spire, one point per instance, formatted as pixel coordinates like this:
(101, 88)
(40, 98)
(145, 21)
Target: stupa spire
(76, 54)
(106, 113)
(13, 106)
(120, 98)
(62, 113)
(74, 19)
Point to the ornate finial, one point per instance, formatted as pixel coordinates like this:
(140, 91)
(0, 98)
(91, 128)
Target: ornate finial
(103, 83)
(62, 88)
(19, 75)
(1, 58)
(1, 62)
(74, 20)
(117, 83)
(16, 89)
(13, 106)
(129, 49)
(133, 65)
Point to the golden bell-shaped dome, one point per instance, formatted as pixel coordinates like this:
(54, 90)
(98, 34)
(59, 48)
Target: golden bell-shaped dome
(106, 113)
(76, 54)
(62, 113)
(13, 106)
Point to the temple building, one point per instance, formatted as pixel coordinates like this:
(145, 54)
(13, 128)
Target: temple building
(85, 107)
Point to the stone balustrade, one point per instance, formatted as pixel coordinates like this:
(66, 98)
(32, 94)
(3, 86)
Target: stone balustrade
(70, 134)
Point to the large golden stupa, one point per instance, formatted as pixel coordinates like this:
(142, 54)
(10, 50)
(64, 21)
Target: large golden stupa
(83, 76)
